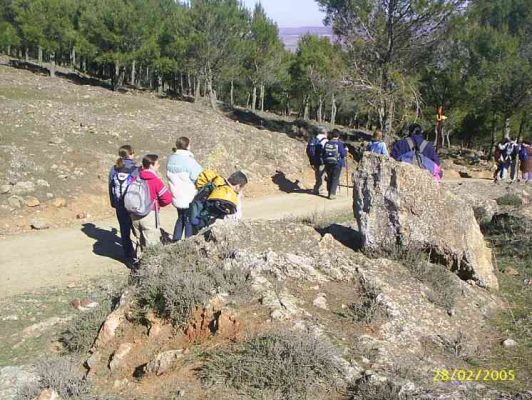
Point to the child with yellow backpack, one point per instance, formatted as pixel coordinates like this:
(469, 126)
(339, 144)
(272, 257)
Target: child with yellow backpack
(217, 198)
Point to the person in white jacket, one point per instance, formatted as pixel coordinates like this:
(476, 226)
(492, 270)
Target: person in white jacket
(182, 171)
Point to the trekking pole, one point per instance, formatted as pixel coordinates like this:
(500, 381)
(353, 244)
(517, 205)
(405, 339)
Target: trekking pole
(347, 175)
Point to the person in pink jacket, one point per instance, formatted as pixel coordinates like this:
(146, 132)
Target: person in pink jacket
(148, 226)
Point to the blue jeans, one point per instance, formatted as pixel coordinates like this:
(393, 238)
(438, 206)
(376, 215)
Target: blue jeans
(125, 232)
(182, 224)
(333, 178)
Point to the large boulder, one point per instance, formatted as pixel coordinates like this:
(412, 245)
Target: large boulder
(400, 204)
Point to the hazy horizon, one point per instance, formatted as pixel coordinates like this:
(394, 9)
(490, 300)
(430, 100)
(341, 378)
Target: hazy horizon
(292, 13)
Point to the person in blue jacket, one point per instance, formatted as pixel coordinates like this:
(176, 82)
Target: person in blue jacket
(402, 147)
(377, 145)
(334, 158)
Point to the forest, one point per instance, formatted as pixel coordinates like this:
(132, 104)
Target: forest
(391, 62)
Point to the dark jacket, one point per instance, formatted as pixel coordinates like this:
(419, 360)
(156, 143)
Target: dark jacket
(128, 164)
(401, 147)
(342, 150)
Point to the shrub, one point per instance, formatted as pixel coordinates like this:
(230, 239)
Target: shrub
(510, 200)
(61, 374)
(174, 280)
(367, 309)
(80, 333)
(366, 390)
(277, 365)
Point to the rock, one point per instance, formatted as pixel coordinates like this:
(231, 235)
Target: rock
(321, 301)
(43, 183)
(48, 394)
(208, 321)
(398, 203)
(23, 188)
(49, 195)
(13, 379)
(81, 215)
(93, 360)
(12, 317)
(5, 189)
(511, 271)
(163, 362)
(59, 202)
(83, 305)
(119, 355)
(31, 201)
(15, 202)
(56, 140)
(112, 322)
(509, 343)
(120, 383)
(39, 224)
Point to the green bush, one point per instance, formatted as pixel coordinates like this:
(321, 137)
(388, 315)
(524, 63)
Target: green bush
(287, 366)
(510, 200)
(174, 280)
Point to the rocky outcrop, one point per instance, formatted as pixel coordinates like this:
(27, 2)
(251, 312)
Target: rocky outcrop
(400, 204)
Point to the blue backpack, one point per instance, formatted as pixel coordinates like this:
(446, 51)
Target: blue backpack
(120, 181)
(523, 153)
(415, 156)
(314, 148)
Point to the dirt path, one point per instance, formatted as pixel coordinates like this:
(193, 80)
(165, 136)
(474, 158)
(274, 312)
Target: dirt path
(60, 257)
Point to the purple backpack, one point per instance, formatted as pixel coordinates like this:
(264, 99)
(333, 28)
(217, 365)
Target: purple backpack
(415, 156)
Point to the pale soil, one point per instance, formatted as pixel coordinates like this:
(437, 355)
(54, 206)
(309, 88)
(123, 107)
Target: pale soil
(59, 257)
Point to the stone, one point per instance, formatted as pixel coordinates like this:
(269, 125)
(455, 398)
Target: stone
(112, 322)
(15, 202)
(23, 187)
(48, 394)
(56, 140)
(398, 203)
(93, 360)
(509, 343)
(120, 383)
(49, 195)
(59, 202)
(43, 183)
(81, 215)
(117, 360)
(511, 271)
(39, 224)
(4, 189)
(321, 301)
(83, 305)
(32, 201)
(163, 362)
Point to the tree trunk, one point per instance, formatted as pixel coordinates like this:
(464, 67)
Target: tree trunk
(247, 101)
(333, 110)
(306, 109)
(507, 128)
(522, 125)
(27, 54)
(73, 58)
(189, 85)
(39, 54)
(84, 64)
(181, 85)
(262, 90)
(493, 136)
(210, 88)
(116, 76)
(319, 112)
(133, 72)
(52, 64)
(389, 119)
(9, 50)
(159, 84)
(197, 89)
(232, 94)
(254, 98)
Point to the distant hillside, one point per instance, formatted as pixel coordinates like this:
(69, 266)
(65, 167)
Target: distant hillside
(290, 36)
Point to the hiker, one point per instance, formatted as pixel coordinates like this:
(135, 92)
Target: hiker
(525, 155)
(377, 145)
(514, 159)
(314, 153)
(217, 198)
(502, 156)
(334, 155)
(182, 170)
(121, 175)
(159, 196)
(416, 150)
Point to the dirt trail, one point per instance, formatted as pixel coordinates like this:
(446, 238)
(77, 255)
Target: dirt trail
(60, 257)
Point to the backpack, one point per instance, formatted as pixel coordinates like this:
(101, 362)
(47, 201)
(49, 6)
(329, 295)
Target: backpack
(215, 199)
(137, 199)
(523, 153)
(415, 156)
(120, 181)
(314, 150)
(331, 154)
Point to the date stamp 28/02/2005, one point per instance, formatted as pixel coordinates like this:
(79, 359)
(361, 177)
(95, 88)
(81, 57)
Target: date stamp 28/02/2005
(474, 375)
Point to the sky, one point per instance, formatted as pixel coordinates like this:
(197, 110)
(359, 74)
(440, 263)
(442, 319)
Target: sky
(291, 13)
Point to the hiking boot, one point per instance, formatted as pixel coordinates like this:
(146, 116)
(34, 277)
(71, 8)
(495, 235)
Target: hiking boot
(332, 197)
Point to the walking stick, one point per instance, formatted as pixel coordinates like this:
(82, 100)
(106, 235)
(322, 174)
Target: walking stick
(347, 175)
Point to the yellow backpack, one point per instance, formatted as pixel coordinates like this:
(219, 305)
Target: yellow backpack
(209, 176)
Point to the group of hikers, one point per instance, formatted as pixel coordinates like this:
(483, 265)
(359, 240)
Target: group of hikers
(508, 154)
(327, 155)
(137, 193)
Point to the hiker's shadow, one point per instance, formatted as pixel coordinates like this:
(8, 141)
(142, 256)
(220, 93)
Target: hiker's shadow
(107, 243)
(286, 185)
